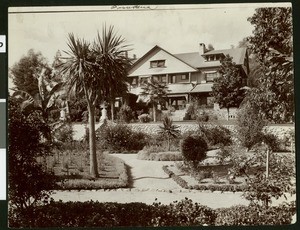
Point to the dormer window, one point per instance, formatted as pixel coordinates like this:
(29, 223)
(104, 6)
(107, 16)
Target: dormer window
(213, 57)
(157, 63)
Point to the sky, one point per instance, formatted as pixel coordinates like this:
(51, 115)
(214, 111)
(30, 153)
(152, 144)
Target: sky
(175, 28)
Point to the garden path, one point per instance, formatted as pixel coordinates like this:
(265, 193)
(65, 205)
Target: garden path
(148, 174)
(150, 182)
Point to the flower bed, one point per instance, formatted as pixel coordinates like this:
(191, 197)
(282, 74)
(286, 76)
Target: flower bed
(113, 173)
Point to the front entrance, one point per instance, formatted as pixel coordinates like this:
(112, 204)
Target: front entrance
(179, 102)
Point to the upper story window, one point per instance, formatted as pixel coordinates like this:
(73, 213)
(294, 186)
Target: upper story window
(214, 57)
(157, 63)
(210, 76)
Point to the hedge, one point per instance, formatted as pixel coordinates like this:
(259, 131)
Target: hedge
(92, 214)
(182, 213)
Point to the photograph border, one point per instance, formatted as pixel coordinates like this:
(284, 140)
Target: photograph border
(5, 4)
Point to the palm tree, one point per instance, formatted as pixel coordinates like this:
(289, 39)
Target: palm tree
(169, 129)
(110, 51)
(82, 81)
(155, 92)
(98, 72)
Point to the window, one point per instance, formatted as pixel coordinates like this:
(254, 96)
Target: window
(184, 77)
(173, 79)
(164, 79)
(157, 63)
(211, 76)
(134, 82)
(155, 78)
(143, 80)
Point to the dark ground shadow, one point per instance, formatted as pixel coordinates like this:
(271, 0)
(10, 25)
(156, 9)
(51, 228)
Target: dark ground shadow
(130, 179)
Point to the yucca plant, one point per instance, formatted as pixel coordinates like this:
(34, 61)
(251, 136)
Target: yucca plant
(169, 130)
(96, 72)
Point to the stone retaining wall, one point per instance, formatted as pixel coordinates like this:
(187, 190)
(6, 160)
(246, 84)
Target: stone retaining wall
(281, 131)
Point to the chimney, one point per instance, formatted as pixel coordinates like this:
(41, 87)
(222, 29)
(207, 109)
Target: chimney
(201, 48)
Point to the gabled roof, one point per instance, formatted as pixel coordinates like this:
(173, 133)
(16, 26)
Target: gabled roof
(195, 60)
(156, 48)
(198, 61)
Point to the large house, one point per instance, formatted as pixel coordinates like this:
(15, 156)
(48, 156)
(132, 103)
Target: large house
(188, 75)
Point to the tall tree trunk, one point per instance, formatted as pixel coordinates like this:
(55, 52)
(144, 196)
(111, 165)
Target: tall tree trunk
(92, 143)
(112, 110)
(168, 142)
(154, 112)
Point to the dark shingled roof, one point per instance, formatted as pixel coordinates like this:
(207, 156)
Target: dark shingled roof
(196, 60)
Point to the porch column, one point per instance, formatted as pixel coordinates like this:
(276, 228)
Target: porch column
(190, 77)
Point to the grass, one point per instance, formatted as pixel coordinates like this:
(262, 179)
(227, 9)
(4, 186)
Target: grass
(72, 170)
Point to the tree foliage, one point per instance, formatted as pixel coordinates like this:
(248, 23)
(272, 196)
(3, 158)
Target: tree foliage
(271, 43)
(227, 89)
(23, 73)
(155, 92)
(169, 130)
(43, 100)
(28, 181)
(249, 125)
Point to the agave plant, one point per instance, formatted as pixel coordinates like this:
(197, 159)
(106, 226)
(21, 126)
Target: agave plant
(169, 130)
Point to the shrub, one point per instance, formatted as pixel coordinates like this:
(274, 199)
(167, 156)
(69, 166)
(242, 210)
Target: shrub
(144, 118)
(194, 148)
(95, 214)
(125, 114)
(178, 213)
(28, 180)
(184, 213)
(250, 125)
(216, 135)
(120, 138)
(63, 132)
(202, 117)
(192, 111)
(271, 141)
(255, 215)
(159, 156)
(169, 130)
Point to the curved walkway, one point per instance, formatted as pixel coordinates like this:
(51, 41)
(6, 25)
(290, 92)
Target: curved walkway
(150, 183)
(148, 174)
